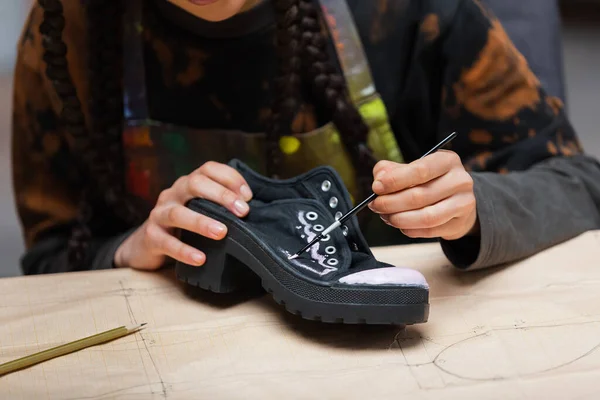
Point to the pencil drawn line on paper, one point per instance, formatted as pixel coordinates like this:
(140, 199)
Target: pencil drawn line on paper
(113, 392)
(152, 291)
(126, 295)
(440, 363)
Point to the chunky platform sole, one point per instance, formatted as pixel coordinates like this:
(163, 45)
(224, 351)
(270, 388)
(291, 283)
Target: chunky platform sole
(234, 263)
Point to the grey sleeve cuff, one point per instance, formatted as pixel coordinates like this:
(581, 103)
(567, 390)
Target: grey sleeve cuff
(105, 257)
(522, 213)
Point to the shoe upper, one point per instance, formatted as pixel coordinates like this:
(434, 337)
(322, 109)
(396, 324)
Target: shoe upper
(286, 214)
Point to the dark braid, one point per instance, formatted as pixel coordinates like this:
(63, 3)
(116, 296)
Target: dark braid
(309, 42)
(99, 147)
(72, 116)
(105, 67)
(103, 77)
(330, 85)
(288, 82)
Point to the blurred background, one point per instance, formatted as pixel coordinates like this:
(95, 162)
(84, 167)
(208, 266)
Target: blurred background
(560, 39)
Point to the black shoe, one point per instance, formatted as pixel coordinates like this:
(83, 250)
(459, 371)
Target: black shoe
(337, 280)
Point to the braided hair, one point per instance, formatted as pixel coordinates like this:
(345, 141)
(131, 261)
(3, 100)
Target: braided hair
(99, 147)
(288, 82)
(299, 25)
(302, 55)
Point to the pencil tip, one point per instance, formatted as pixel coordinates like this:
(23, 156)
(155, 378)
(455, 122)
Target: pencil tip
(134, 328)
(293, 257)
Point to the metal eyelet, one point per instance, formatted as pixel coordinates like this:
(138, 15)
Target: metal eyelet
(345, 230)
(311, 216)
(332, 261)
(325, 238)
(319, 228)
(333, 202)
(330, 250)
(325, 186)
(338, 215)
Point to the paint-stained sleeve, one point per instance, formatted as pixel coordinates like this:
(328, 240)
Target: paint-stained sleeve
(43, 166)
(534, 185)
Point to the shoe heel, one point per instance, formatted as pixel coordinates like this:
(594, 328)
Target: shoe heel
(221, 272)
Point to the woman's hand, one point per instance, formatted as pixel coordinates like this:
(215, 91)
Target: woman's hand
(152, 242)
(428, 198)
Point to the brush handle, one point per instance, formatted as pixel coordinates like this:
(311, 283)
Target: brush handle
(356, 209)
(373, 196)
(363, 204)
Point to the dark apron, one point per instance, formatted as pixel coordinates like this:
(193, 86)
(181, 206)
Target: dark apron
(157, 153)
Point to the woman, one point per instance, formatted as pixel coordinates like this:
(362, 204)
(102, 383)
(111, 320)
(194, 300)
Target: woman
(124, 110)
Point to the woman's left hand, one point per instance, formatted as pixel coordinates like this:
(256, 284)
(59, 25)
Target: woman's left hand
(428, 198)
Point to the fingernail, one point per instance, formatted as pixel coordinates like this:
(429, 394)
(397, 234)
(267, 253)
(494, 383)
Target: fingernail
(241, 206)
(246, 192)
(372, 207)
(377, 186)
(198, 258)
(217, 229)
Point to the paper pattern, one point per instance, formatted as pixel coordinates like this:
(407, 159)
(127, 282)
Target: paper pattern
(526, 331)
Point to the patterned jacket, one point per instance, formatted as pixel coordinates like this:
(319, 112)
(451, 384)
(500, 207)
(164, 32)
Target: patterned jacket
(439, 65)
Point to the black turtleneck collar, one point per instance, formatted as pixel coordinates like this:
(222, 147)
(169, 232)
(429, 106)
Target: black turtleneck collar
(255, 19)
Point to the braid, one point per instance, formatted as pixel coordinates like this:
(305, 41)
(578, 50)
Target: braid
(330, 85)
(100, 147)
(287, 99)
(57, 71)
(106, 105)
(103, 80)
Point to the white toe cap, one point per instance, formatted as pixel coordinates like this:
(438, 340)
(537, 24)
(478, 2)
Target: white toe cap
(387, 276)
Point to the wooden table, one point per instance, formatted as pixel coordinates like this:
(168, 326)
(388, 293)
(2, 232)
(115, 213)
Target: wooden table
(526, 331)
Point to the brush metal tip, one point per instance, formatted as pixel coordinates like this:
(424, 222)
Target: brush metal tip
(293, 257)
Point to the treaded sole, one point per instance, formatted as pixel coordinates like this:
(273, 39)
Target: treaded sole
(239, 262)
(228, 252)
(422, 309)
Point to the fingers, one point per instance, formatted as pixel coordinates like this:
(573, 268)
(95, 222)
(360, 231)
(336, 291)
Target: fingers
(428, 217)
(383, 166)
(161, 242)
(424, 195)
(430, 197)
(228, 177)
(432, 216)
(200, 185)
(448, 231)
(218, 183)
(403, 176)
(179, 216)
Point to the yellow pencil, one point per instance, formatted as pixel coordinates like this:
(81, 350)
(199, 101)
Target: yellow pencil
(68, 348)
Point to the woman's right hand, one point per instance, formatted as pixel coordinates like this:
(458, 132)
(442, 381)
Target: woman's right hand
(148, 247)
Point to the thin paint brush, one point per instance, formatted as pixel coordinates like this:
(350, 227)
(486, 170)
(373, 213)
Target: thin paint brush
(362, 205)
